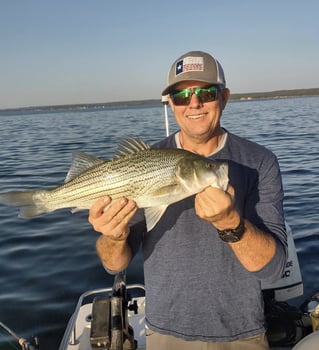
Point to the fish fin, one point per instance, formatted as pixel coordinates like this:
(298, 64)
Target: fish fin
(31, 203)
(76, 210)
(153, 216)
(130, 146)
(165, 191)
(80, 163)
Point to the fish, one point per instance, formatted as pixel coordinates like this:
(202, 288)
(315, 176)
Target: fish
(153, 177)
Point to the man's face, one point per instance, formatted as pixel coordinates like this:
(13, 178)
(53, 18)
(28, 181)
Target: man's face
(199, 120)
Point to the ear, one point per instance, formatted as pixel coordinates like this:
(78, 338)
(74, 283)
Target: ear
(224, 97)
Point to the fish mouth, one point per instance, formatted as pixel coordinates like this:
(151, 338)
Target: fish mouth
(196, 116)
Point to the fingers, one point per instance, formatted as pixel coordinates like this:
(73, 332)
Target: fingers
(119, 213)
(213, 204)
(112, 219)
(98, 207)
(213, 196)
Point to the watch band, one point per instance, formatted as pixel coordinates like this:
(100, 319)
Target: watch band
(233, 235)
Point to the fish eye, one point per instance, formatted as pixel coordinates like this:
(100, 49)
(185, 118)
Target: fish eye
(209, 165)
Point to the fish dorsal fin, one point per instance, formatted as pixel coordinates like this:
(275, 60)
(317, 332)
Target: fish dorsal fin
(81, 162)
(130, 146)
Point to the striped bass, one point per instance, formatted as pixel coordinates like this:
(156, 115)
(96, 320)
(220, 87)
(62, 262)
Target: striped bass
(153, 178)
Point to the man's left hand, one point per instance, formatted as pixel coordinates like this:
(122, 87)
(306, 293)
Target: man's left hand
(217, 207)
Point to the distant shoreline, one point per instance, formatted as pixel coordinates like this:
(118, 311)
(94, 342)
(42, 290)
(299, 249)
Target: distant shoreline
(234, 97)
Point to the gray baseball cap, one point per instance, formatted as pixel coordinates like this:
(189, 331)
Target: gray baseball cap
(195, 65)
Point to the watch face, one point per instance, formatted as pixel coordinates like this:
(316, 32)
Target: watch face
(230, 237)
(233, 235)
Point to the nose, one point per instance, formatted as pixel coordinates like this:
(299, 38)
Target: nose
(195, 102)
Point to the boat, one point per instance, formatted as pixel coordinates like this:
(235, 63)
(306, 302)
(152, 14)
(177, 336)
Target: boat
(113, 318)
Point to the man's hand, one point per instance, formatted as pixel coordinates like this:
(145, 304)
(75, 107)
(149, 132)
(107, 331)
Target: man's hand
(217, 207)
(112, 219)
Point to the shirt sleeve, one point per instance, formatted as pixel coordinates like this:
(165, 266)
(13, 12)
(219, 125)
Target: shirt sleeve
(270, 216)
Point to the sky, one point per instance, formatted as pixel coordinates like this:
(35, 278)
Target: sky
(94, 51)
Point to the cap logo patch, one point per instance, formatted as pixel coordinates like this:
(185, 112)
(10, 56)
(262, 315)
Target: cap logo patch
(190, 64)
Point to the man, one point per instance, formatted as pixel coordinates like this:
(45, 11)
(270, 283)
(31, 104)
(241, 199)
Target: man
(205, 259)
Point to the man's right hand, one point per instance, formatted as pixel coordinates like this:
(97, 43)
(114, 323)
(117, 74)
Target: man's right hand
(111, 218)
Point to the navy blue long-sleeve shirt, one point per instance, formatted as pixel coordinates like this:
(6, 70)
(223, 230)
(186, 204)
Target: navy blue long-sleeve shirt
(196, 288)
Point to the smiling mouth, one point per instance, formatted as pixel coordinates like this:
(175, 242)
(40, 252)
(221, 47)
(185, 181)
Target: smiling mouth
(196, 116)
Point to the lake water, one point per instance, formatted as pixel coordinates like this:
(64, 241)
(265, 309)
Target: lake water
(47, 262)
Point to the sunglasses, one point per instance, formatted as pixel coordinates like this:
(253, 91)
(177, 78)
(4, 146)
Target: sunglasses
(204, 94)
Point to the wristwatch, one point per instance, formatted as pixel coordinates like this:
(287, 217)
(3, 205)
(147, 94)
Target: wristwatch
(233, 235)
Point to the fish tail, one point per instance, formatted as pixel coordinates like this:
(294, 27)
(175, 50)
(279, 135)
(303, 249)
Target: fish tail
(31, 203)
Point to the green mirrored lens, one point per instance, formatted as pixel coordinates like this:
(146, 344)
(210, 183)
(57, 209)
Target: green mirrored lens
(205, 94)
(182, 97)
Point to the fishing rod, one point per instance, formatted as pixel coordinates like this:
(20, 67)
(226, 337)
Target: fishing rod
(24, 343)
(165, 104)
